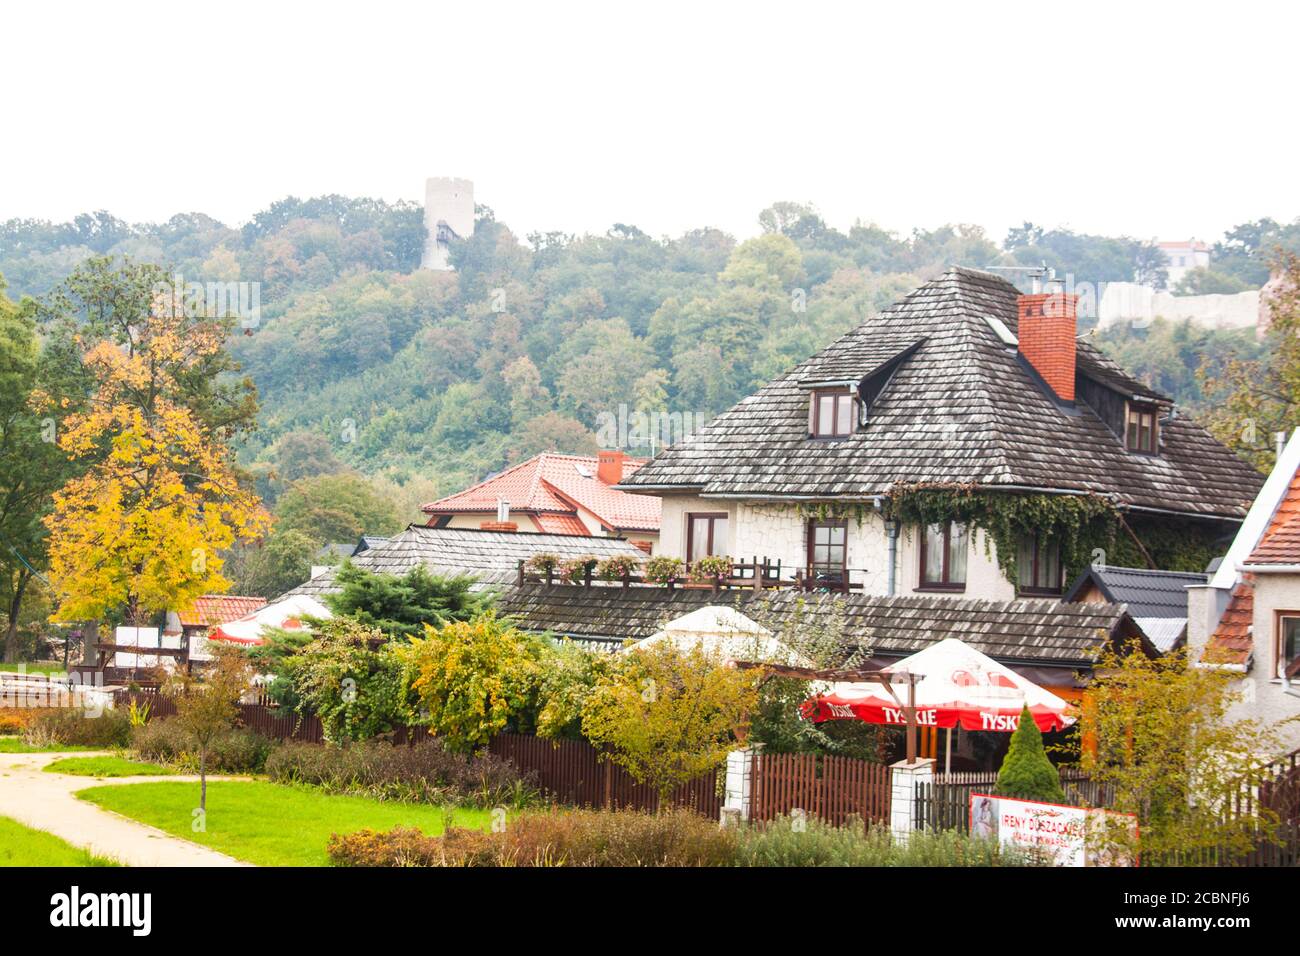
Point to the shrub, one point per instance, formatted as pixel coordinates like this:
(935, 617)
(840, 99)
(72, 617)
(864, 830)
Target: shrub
(473, 678)
(613, 569)
(678, 837)
(542, 563)
(15, 720)
(817, 843)
(424, 773)
(71, 727)
(407, 846)
(164, 740)
(663, 570)
(708, 569)
(575, 569)
(556, 838)
(1026, 773)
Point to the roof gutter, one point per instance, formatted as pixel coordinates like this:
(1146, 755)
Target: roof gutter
(1270, 568)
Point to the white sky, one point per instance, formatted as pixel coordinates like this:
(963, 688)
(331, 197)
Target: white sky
(1150, 119)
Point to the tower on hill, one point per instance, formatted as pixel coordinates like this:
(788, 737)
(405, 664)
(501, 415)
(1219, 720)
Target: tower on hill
(448, 215)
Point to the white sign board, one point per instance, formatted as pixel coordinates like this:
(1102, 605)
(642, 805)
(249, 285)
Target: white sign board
(138, 637)
(1052, 828)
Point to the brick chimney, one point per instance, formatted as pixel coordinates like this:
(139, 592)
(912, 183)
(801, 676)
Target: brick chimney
(1046, 332)
(609, 466)
(498, 526)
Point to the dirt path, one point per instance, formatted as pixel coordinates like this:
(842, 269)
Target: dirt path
(45, 801)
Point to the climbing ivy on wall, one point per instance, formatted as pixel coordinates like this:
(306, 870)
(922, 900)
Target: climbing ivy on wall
(1082, 525)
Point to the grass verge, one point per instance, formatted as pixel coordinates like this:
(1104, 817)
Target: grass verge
(107, 767)
(267, 823)
(23, 846)
(16, 745)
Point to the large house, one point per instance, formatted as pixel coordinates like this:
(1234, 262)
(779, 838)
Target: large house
(556, 494)
(963, 388)
(1246, 619)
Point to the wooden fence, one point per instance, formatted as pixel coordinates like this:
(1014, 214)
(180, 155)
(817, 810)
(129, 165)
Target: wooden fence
(944, 803)
(571, 772)
(832, 788)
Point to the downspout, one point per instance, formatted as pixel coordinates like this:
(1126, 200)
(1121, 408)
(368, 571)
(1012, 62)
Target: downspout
(891, 534)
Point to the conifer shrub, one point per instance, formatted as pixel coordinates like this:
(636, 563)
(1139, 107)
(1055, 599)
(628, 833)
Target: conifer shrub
(1026, 773)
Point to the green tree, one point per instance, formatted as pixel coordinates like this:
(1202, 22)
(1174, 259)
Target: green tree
(1255, 399)
(209, 706)
(1026, 773)
(473, 679)
(349, 675)
(335, 508)
(1164, 738)
(401, 607)
(666, 715)
(31, 467)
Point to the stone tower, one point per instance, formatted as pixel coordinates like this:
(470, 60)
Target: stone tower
(448, 214)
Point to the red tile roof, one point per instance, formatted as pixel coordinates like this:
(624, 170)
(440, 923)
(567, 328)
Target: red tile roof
(1232, 641)
(1280, 543)
(212, 609)
(561, 524)
(558, 485)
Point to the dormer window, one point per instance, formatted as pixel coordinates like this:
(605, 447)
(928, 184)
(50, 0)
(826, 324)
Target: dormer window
(832, 414)
(1142, 429)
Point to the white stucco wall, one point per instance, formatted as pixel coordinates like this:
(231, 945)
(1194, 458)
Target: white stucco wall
(1262, 695)
(779, 532)
(1273, 592)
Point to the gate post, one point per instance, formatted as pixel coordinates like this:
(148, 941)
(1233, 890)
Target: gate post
(904, 777)
(738, 796)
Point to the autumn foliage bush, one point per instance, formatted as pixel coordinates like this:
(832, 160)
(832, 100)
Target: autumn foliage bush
(14, 720)
(678, 838)
(625, 838)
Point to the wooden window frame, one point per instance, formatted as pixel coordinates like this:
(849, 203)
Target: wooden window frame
(1035, 591)
(1278, 650)
(1138, 410)
(713, 517)
(813, 525)
(837, 394)
(945, 584)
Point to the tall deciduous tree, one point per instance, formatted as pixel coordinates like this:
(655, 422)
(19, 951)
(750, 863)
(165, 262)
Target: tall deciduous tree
(31, 467)
(1259, 398)
(144, 527)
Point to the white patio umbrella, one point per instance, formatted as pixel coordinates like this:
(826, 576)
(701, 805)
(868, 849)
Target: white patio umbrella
(287, 614)
(959, 686)
(726, 632)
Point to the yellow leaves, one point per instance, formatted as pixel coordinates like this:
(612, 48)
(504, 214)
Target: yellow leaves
(146, 524)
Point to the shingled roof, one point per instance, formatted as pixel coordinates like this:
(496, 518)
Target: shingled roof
(961, 408)
(491, 556)
(1024, 632)
(1156, 600)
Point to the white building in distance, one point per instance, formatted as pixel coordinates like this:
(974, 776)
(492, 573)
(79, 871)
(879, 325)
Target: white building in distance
(1182, 257)
(448, 215)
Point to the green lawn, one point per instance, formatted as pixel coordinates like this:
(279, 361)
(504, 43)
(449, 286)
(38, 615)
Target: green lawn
(23, 846)
(34, 668)
(267, 823)
(14, 744)
(107, 767)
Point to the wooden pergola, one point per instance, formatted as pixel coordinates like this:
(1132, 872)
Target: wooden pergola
(881, 677)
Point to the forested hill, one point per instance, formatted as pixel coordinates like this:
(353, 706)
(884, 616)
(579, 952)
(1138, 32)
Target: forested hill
(363, 360)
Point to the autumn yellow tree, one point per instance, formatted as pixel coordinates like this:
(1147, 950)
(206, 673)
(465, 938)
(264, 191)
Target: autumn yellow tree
(144, 527)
